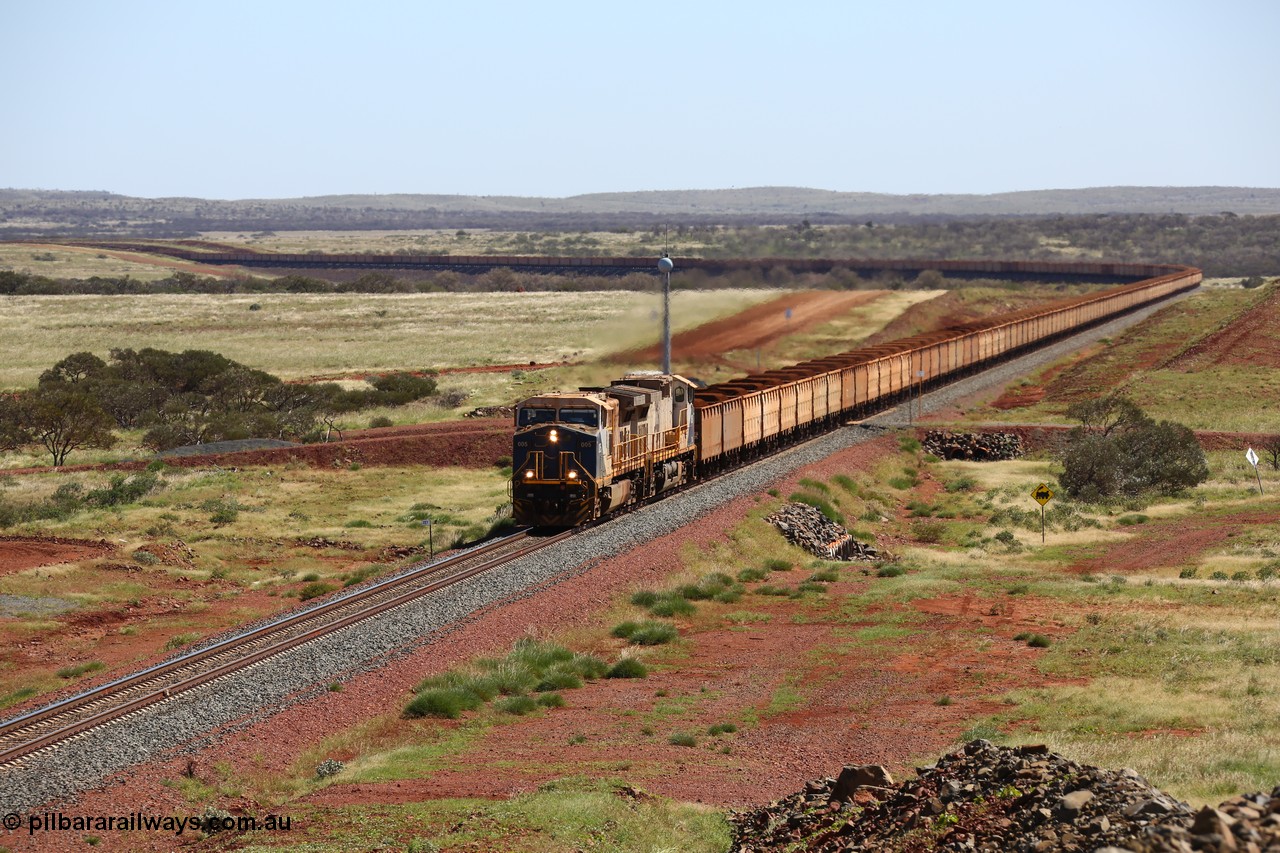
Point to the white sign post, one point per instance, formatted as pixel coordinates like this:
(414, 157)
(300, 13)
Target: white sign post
(1253, 460)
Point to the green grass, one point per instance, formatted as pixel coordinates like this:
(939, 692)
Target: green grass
(627, 668)
(562, 816)
(1200, 395)
(646, 633)
(302, 335)
(79, 669)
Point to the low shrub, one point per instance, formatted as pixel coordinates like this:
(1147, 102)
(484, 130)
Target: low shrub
(644, 598)
(589, 666)
(518, 705)
(79, 669)
(551, 700)
(653, 634)
(683, 739)
(890, 570)
(722, 728)
(777, 564)
(177, 641)
(846, 482)
(930, 532)
(315, 590)
(560, 677)
(1036, 641)
(627, 668)
(624, 630)
(819, 503)
(447, 702)
(671, 604)
(753, 574)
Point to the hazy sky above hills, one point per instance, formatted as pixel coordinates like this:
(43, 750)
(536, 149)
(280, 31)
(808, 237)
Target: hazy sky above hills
(281, 98)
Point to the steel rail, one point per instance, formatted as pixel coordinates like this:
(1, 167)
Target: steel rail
(272, 639)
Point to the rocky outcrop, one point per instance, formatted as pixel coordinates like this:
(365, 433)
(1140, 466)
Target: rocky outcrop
(807, 527)
(989, 798)
(980, 446)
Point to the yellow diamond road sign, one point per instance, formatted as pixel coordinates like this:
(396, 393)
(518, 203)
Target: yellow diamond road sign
(1043, 494)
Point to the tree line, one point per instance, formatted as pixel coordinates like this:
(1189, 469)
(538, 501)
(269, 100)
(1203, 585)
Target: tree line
(190, 397)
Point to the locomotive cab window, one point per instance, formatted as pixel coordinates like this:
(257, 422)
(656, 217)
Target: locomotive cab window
(533, 415)
(679, 393)
(585, 417)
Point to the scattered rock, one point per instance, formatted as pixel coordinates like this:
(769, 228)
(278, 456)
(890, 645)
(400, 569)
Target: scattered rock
(807, 527)
(491, 411)
(853, 777)
(321, 542)
(329, 767)
(984, 797)
(979, 447)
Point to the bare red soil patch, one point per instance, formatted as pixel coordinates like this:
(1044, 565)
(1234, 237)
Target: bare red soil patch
(1171, 543)
(1252, 339)
(485, 368)
(755, 328)
(948, 309)
(26, 552)
(474, 443)
(154, 261)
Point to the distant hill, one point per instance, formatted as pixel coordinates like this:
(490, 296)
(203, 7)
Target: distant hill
(25, 213)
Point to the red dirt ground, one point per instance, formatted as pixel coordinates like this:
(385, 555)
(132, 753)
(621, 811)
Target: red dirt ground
(153, 260)
(863, 701)
(755, 328)
(1252, 339)
(474, 443)
(1172, 543)
(487, 368)
(26, 552)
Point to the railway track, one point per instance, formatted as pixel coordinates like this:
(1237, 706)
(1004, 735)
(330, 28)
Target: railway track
(45, 729)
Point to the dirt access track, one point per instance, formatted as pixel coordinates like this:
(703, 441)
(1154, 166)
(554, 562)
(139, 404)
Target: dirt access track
(757, 327)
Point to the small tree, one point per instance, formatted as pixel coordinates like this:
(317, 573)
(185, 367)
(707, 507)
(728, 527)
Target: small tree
(1272, 451)
(1106, 414)
(13, 429)
(64, 421)
(1119, 450)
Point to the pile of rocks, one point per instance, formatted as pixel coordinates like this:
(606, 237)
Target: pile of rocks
(980, 447)
(989, 798)
(491, 412)
(807, 527)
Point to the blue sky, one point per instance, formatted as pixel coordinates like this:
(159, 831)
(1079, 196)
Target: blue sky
(276, 99)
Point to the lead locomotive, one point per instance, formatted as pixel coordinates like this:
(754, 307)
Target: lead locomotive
(583, 454)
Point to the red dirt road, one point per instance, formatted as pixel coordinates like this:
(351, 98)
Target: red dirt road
(755, 328)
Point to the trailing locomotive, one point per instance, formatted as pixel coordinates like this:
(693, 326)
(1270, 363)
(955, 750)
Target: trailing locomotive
(581, 455)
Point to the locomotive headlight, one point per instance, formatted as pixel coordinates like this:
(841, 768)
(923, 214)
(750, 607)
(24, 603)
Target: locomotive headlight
(573, 475)
(554, 436)
(528, 475)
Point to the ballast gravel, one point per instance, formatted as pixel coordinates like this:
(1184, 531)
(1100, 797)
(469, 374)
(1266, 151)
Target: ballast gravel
(191, 721)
